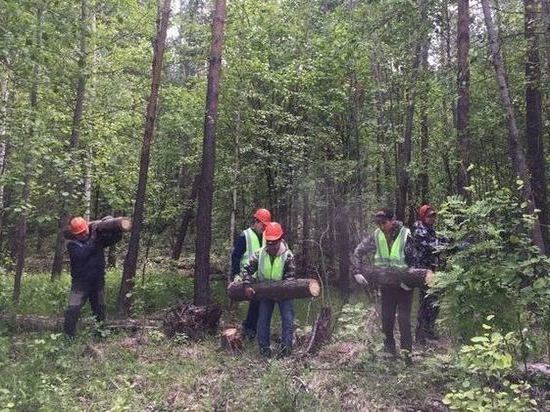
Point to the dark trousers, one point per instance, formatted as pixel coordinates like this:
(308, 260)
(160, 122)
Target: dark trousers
(427, 314)
(250, 324)
(397, 300)
(264, 322)
(80, 293)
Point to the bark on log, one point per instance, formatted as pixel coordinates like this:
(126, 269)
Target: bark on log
(115, 224)
(232, 340)
(394, 277)
(282, 290)
(34, 323)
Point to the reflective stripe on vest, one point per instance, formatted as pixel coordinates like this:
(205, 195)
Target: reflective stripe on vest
(394, 257)
(252, 245)
(268, 271)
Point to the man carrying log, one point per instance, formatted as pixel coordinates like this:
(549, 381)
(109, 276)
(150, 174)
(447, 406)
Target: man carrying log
(392, 248)
(272, 263)
(87, 270)
(426, 243)
(249, 242)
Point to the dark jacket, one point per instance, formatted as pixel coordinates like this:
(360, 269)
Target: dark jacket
(87, 257)
(426, 242)
(367, 248)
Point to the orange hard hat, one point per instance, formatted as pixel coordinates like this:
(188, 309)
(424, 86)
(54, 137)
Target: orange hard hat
(273, 231)
(78, 226)
(263, 215)
(426, 210)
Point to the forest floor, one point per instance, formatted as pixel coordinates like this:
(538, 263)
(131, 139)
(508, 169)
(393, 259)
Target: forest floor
(145, 371)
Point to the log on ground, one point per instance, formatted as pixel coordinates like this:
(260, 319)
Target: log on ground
(411, 277)
(281, 290)
(35, 323)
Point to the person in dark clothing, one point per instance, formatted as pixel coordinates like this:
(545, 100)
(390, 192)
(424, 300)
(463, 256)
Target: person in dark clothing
(272, 263)
(249, 241)
(426, 242)
(87, 271)
(391, 246)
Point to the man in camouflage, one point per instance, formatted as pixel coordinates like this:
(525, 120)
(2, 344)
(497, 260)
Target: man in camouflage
(426, 243)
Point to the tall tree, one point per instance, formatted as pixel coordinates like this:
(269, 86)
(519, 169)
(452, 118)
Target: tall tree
(4, 100)
(206, 188)
(519, 164)
(57, 265)
(21, 234)
(533, 116)
(546, 19)
(463, 102)
(186, 216)
(423, 176)
(130, 262)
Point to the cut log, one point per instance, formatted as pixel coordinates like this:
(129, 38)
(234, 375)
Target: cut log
(193, 321)
(232, 340)
(281, 290)
(321, 330)
(114, 224)
(411, 277)
(33, 323)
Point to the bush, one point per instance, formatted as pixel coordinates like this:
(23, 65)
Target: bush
(501, 272)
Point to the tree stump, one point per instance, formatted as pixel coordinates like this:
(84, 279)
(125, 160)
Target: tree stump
(281, 290)
(321, 330)
(232, 340)
(194, 321)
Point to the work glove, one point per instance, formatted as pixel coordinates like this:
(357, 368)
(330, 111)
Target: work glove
(360, 279)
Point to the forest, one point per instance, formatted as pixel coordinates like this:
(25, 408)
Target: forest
(183, 119)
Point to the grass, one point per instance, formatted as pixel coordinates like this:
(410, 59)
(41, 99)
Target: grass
(44, 371)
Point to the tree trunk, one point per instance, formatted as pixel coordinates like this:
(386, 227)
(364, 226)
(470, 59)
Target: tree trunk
(405, 148)
(186, 216)
(88, 187)
(130, 262)
(423, 176)
(57, 264)
(533, 118)
(281, 290)
(519, 164)
(206, 189)
(306, 223)
(4, 100)
(546, 19)
(343, 245)
(463, 103)
(21, 234)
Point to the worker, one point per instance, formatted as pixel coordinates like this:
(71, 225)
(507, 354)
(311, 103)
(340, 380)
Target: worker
(273, 262)
(87, 261)
(391, 246)
(426, 245)
(248, 242)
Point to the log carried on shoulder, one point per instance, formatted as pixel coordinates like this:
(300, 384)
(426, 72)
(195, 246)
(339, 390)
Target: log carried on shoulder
(411, 277)
(281, 290)
(111, 224)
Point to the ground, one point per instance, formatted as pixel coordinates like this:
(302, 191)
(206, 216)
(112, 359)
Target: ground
(144, 370)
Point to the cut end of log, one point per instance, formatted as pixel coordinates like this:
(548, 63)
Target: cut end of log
(232, 340)
(126, 225)
(314, 288)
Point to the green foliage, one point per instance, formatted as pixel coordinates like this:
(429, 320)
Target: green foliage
(483, 380)
(500, 272)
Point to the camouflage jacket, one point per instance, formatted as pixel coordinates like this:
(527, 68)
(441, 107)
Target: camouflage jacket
(367, 248)
(426, 242)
